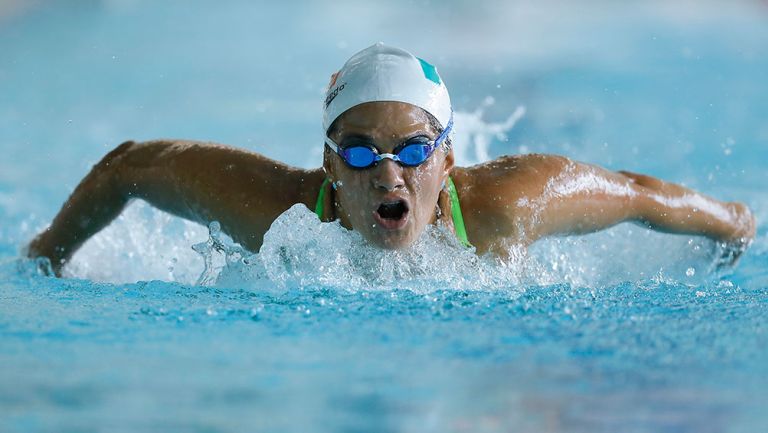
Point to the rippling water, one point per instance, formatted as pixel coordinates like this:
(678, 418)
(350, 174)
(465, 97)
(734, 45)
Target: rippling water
(624, 330)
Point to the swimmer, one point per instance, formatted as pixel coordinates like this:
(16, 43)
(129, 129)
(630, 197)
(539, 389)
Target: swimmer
(388, 171)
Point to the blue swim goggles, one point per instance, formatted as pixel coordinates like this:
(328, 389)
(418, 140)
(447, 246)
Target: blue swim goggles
(408, 154)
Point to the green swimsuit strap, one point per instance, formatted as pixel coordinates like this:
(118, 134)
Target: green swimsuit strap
(320, 199)
(458, 219)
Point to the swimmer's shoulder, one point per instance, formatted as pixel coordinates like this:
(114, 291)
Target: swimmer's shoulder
(508, 175)
(495, 195)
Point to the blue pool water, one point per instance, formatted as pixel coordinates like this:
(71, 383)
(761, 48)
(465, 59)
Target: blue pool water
(624, 330)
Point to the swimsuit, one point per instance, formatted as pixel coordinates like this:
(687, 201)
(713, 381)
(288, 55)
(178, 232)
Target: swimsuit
(458, 219)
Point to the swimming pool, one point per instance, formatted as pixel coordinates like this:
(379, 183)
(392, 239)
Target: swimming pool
(624, 330)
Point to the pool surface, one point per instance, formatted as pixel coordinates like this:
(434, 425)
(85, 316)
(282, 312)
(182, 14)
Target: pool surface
(620, 331)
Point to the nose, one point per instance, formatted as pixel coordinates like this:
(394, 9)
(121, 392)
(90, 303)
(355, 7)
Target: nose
(388, 175)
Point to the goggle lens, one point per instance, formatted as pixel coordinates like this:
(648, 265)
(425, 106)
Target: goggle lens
(411, 155)
(414, 154)
(364, 156)
(359, 156)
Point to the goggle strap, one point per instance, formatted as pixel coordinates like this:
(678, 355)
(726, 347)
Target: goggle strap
(443, 135)
(334, 147)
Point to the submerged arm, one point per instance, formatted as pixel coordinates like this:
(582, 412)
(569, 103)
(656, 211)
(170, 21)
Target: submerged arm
(201, 182)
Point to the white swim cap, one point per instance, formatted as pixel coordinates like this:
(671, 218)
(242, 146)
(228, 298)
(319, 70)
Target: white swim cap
(384, 73)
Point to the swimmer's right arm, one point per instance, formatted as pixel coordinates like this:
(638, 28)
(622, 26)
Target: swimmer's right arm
(201, 182)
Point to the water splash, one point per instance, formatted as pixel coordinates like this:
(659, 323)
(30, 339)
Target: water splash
(301, 252)
(473, 135)
(143, 243)
(626, 252)
(217, 252)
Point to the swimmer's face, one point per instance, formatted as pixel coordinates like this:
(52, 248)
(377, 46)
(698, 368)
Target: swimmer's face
(389, 204)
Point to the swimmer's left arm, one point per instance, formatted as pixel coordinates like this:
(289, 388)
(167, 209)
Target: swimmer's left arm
(672, 208)
(550, 195)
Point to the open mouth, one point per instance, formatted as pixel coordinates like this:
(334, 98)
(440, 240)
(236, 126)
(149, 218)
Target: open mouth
(392, 214)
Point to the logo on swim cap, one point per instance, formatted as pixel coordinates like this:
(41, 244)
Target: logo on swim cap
(384, 73)
(332, 95)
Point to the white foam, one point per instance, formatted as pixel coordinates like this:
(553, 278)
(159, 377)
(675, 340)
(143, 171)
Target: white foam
(141, 244)
(300, 251)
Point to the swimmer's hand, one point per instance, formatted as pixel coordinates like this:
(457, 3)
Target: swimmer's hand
(729, 250)
(37, 251)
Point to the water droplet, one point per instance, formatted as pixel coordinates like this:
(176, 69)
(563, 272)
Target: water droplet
(690, 272)
(214, 228)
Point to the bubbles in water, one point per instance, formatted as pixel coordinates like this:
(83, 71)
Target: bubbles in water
(727, 146)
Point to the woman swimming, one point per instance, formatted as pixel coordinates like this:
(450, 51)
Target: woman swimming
(388, 171)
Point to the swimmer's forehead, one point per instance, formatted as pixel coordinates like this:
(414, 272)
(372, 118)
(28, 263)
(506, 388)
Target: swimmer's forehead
(383, 119)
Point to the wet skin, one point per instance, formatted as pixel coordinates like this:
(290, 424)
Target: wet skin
(363, 191)
(512, 200)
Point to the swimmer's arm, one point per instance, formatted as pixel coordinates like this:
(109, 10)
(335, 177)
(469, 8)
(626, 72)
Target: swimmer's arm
(201, 182)
(547, 195)
(672, 208)
(587, 198)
